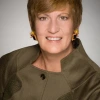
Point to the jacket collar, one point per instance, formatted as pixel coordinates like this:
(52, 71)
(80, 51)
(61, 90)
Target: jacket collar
(77, 66)
(74, 56)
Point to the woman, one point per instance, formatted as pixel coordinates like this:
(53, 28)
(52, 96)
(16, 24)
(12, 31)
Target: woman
(57, 68)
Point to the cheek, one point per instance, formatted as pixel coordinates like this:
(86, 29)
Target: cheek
(67, 27)
(68, 31)
(37, 27)
(40, 28)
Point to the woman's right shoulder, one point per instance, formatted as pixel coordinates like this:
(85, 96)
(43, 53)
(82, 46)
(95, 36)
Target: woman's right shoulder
(21, 51)
(12, 62)
(19, 56)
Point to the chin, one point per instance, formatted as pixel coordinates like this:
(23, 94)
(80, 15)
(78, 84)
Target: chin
(54, 51)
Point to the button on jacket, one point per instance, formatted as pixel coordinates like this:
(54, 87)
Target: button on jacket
(79, 78)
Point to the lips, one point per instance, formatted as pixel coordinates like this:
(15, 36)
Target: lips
(53, 38)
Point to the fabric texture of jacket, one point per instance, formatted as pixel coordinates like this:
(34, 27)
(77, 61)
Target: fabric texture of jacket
(79, 78)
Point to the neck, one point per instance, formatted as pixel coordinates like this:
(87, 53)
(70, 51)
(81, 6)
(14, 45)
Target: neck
(51, 62)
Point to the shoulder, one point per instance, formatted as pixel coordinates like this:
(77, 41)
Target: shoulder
(89, 75)
(16, 60)
(19, 56)
(84, 75)
(78, 67)
(32, 49)
(85, 59)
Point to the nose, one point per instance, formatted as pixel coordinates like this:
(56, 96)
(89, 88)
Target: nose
(53, 27)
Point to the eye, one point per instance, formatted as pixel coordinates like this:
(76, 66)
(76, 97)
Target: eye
(63, 17)
(42, 18)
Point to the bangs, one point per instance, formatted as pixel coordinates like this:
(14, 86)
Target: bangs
(44, 6)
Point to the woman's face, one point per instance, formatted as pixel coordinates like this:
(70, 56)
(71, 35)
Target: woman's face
(54, 31)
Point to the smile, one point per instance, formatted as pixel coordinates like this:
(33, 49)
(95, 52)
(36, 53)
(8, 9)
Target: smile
(53, 38)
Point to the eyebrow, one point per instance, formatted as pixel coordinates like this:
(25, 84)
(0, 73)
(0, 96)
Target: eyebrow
(65, 14)
(47, 14)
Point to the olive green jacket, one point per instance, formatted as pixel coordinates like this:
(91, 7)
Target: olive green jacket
(79, 78)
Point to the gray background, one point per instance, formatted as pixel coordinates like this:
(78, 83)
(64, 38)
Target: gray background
(15, 29)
